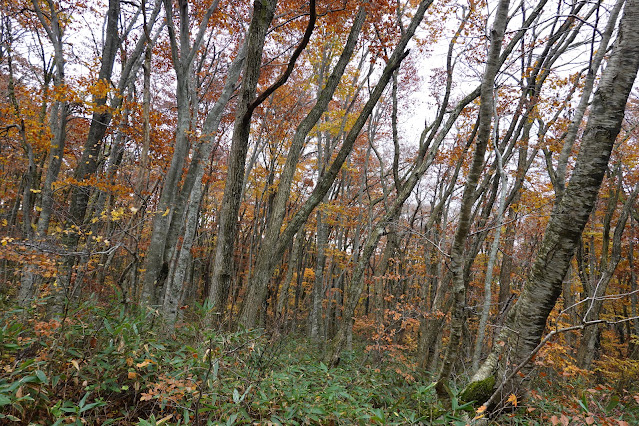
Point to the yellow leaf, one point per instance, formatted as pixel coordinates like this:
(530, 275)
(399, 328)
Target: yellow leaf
(512, 399)
(164, 419)
(143, 363)
(480, 412)
(35, 191)
(75, 364)
(166, 212)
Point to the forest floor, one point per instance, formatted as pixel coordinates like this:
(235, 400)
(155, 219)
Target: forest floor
(101, 365)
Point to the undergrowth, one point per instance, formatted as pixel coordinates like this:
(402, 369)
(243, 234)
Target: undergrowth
(98, 365)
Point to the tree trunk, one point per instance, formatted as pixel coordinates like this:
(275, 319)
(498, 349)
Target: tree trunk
(157, 260)
(263, 13)
(293, 264)
(492, 258)
(318, 285)
(468, 198)
(527, 320)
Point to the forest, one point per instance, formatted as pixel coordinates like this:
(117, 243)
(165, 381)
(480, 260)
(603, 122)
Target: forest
(319, 212)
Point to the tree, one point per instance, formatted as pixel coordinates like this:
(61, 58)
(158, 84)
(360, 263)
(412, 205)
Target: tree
(263, 14)
(527, 321)
(166, 227)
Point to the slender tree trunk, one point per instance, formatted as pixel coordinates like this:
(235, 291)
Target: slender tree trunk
(181, 261)
(293, 264)
(59, 116)
(146, 122)
(492, 259)
(633, 346)
(468, 198)
(318, 284)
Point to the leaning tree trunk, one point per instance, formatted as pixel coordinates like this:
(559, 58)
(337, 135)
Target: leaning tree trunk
(526, 323)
